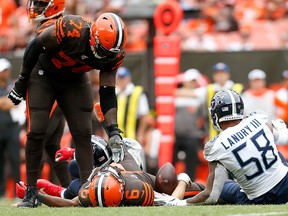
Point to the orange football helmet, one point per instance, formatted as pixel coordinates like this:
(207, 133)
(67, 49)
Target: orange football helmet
(108, 36)
(39, 10)
(106, 190)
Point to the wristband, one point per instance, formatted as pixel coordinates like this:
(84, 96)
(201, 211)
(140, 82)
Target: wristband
(113, 130)
(184, 177)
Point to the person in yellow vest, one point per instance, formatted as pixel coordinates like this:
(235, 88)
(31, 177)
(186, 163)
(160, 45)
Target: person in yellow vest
(133, 107)
(221, 78)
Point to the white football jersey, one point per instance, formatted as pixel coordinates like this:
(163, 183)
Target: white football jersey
(248, 151)
(136, 150)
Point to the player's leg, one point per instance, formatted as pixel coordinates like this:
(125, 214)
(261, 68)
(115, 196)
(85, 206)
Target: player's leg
(232, 194)
(52, 145)
(40, 99)
(76, 103)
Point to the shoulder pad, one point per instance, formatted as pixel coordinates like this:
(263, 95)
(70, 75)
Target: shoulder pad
(69, 26)
(41, 27)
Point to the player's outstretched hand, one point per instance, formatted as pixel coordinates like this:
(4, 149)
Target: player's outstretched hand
(65, 153)
(117, 147)
(166, 200)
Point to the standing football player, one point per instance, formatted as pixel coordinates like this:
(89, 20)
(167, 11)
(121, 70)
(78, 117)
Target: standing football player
(45, 13)
(72, 46)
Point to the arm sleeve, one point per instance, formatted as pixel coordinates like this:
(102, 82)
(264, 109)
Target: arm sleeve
(31, 55)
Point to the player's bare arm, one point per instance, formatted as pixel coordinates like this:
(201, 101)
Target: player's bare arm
(214, 185)
(53, 201)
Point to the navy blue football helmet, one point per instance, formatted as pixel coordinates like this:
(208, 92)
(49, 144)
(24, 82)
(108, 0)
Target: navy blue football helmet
(102, 153)
(226, 105)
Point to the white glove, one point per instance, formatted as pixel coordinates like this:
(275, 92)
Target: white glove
(278, 124)
(116, 145)
(280, 132)
(166, 200)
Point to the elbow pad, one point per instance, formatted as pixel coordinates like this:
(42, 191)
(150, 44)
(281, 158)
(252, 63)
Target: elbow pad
(219, 180)
(32, 53)
(280, 132)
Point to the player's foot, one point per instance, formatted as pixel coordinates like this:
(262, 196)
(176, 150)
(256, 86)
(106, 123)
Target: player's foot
(30, 199)
(49, 188)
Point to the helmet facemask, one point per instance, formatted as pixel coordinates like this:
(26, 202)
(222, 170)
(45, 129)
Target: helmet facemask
(39, 10)
(102, 52)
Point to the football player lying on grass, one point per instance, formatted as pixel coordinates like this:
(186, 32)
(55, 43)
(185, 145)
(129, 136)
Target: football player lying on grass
(112, 186)
(119, 187)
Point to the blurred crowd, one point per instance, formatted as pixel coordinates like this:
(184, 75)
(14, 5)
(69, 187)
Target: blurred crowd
(235, 25)
(209, 25)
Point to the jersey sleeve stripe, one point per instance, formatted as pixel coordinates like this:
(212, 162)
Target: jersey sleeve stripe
(146, 194)
(58, 30)
(151, 197)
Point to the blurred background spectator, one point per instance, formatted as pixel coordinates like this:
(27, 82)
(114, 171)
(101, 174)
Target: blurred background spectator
(188, 135)
(133, 112)
(10, 119)
(282, 107)
(258, 96)
(133, 107)
(282, 98)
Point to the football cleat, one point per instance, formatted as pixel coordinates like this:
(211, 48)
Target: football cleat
(30, 199)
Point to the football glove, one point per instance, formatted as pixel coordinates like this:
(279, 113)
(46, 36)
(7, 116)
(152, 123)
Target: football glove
(280, 131)
(17, 94)
(20, 189)
(65, 153)
(117, 147)
(166, 200)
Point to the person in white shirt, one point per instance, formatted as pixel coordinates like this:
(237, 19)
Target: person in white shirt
(258, 95)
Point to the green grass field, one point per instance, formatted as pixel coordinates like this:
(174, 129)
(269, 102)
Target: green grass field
(253, 210)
